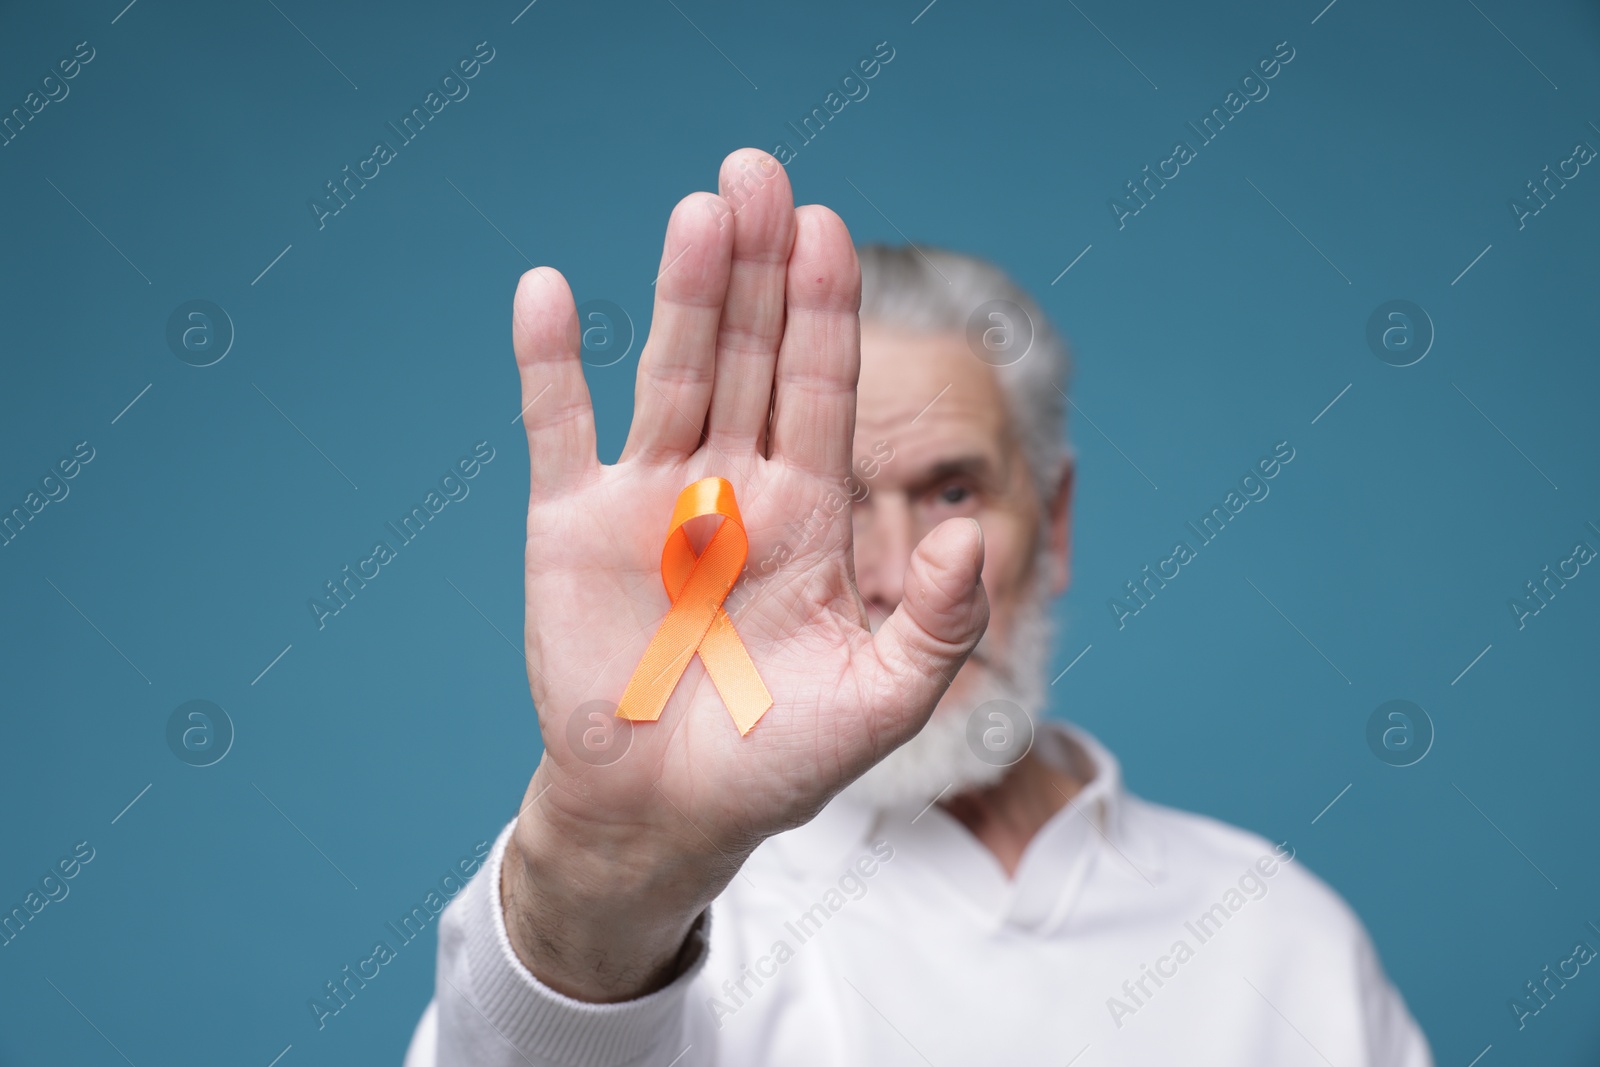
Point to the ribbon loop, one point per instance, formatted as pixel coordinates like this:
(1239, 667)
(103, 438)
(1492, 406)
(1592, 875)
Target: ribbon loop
(696, 624)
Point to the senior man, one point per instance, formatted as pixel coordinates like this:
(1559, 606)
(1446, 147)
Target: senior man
(863, 878)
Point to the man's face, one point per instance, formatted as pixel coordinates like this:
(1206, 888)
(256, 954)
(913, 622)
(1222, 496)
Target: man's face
(953, 456)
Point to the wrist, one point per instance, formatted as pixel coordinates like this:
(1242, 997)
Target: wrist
(598, 921)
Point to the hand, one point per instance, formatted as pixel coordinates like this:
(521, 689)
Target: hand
(749, 373)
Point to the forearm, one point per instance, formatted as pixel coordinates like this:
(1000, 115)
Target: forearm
(596, 927)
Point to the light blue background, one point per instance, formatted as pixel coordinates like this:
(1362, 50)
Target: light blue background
(1205, 331)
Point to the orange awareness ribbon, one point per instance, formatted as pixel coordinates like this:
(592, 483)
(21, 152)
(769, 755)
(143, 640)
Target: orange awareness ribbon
(696, 624)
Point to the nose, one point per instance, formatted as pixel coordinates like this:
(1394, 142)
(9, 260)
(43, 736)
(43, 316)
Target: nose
(884, 538)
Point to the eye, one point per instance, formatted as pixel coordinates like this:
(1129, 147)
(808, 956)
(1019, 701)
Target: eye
(954, 494)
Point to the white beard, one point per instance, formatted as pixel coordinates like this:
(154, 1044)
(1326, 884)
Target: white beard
(938, 759)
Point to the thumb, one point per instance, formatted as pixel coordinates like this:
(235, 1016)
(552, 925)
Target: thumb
(942, 613)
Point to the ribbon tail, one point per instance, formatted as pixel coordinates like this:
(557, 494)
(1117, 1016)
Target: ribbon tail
(663, 664)
(734, 674)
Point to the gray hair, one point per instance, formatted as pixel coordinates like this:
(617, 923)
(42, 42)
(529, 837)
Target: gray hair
(937, 291)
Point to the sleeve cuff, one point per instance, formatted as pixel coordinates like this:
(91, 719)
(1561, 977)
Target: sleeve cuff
(541, 1022)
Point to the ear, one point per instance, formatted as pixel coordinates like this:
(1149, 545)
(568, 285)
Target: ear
(1059, 519)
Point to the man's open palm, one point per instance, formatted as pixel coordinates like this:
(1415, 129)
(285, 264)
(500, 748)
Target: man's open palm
(749, 374)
